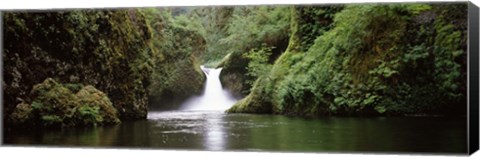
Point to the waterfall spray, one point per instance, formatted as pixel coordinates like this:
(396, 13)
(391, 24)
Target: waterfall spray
(214, 98)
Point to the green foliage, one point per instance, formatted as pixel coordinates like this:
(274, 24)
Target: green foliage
(89, 115)
(314, 21)
(22, 113)
(49, 120)
(258, 65)
(106, 49)
(416, 8)
(176, 69)
(96, 107)
(373, 59)
(251, 29)
(340, 60)
(447, 47)
(385, 69)
(74, 87)
(212, 23)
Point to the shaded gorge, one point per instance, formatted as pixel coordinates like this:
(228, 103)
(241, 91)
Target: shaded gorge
(201, 124)
(377, 77)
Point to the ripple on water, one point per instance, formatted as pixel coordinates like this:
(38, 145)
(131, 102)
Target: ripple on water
(190, 122)
(186, 131)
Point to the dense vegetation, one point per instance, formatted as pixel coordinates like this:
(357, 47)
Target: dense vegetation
(371, 59)
(105, 49)
(177, 74)
(95, 67)
(237, 31)
(118, 52)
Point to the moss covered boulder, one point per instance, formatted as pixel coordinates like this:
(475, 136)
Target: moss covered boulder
(90, 97)
(54, 105)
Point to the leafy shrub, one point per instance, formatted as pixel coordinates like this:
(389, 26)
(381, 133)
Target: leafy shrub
(252, 29)
(258, 65)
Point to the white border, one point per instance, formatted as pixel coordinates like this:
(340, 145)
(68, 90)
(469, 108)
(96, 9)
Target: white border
(81, 152)
(59, 4)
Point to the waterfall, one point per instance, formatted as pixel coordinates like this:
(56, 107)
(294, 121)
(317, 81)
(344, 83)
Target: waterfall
(214, 98)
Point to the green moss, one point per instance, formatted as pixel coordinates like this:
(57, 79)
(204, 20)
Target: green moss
(22, 113)
(222, 62)
(253, 103)
(258, 101)
(74, 87)
(54, 105)
(176, 73)
(368, 62)
(52, 120)
(109, 49)
(98, 105)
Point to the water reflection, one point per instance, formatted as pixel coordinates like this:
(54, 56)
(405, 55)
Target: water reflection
(208, 126)
(215, 135)
(247, 132)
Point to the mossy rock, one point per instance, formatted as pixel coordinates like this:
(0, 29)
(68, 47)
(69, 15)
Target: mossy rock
(92, 97)
(234, 76)
(251, 104)
(55, 105)
(175, 82)
(108, 49)
(224, 60)
(257, 101)
(22, 113)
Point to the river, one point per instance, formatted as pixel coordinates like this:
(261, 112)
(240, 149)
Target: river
(201, 124)
(248, 132)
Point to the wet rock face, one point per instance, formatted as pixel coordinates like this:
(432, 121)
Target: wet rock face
(234, 76)
(106, 49)
(174, 83)
(55, 105)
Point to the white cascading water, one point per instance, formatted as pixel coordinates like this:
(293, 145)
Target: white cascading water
(214, 98)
